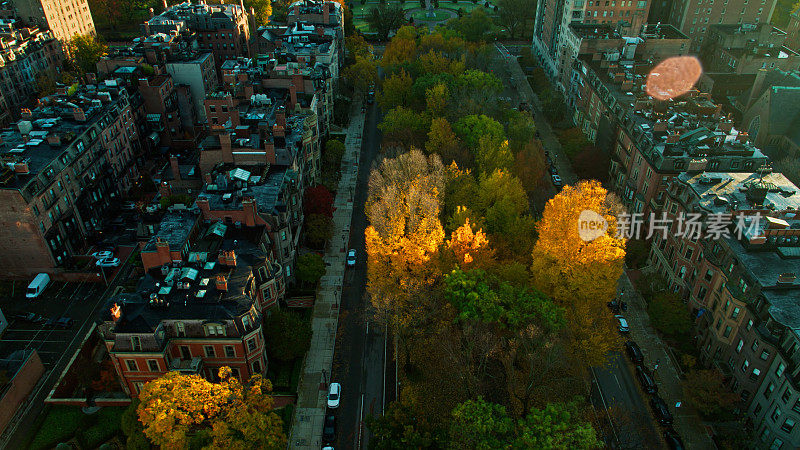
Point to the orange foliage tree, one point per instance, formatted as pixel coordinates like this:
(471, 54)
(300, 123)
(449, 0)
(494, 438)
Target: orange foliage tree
(470, 248)
(577, 274)
(228, 414)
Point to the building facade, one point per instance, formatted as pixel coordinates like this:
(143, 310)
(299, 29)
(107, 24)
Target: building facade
(64, 18)
(695, 17)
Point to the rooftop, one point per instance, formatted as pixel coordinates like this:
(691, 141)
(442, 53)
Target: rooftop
(175, 228)
(733, 191)
(224, 195)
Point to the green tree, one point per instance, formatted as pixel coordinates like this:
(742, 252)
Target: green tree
(493, 155)
(473, 27)
(437, 99)
(319, 228)
(706, 391)
(668, 314)
(442, 141)
(402, 427)
(85, 51)
(287, 335)
(503, 206)
(133, 429)
(470, 129)
(480, 425)
(310, 268)
(514, 14)
(557, 426)
(385, 19)
(362, 73)
(262, 10)
(356, 45)
(404, 127)
(394, 91)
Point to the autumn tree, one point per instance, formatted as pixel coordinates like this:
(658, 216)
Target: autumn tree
(362, 73)
(318, 229)
(287, 336)
(437, 99)
(473, 27)
(404, 127)
(580, 274)
(503, 206)
(557, 426)
(529, 166)
(318, 200)
(385, 19)
(85, 51)
(492, 155)
(480, 425)
(356, 45)
(262, 10)
(310, 268)
(394, 91)
(434, 62)
(470, 248)
(232, 414)
(402, 206)
(706, 391)
(399, 51)
(442, 141)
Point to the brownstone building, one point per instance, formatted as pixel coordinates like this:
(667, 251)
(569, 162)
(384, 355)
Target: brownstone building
(747, 48)
(65, 18)
(695, 17)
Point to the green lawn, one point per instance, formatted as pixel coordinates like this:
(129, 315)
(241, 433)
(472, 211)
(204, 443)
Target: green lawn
(360, 11)
(62, 422)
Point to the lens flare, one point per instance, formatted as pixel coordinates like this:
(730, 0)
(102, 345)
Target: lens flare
(673, 77)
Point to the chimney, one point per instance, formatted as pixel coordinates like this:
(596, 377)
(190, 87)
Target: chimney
(205, 207)
(673, 138)
(280, 117)
(225, 143)
(152, 13)
(326, 15)
(269, 149)
(162, 248)
(78, 114)
(250, 210)
(221, 282)
(228, 257)
(742, 137)
(277, 130)
(207, 178)
(660, 126)
(235, 117)
(26, 113)
(165, 189)
(176, 170)
(292, 96)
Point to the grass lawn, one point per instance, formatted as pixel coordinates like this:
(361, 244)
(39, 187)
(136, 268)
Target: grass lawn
(360, 11)
(61, 423)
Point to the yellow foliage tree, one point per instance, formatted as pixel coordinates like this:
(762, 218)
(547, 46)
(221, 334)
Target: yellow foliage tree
(436, 98)
(580, 275)
(470, 248)
(236, 415)
(405, 233)
(394, 91)
(399, 51)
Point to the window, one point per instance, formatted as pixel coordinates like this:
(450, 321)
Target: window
(132, 366)
(136, 343)
(152, 364)
(768, 390)
(796, 407)
(757, 409)
(787, 394)
(776, 444)
(283, 235)
(765, 355)
(735, 313)
(739, 346)
(749, 325)
(230, 352)
(180, 329)
(754, 347)
(781, 368)
(235, 372)
(755, 374)
(246, 321)
(727, 331)
(257, 366)
(776, 414)
(138, 385)
(745, 365)
(215, 330)
(251, 344)
(209, 349)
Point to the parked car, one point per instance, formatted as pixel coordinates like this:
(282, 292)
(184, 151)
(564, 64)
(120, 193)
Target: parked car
(646, 379)
(552, 169)
(557, 181)
(673, 440)
(660, 410)
(351, 257)
(334, 392)
(634, 352)
(623, 324)
(329, 428)
(28, 317)
(60, 322)
(107, 246)
(107, 262)
(614, 305)
(103, 254)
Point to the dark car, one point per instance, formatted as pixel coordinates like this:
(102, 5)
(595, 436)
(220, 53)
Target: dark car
(634, 352)
(60, 322)
(552, 169)
(614, 305)
(660, 410)
(673, 440)
(28, 317)
(646, 379)
(329, 429)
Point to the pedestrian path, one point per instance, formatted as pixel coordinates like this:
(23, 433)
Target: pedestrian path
(687, 423)
(311, 395)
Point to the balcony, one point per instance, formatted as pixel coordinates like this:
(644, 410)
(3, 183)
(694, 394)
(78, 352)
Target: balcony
(188, 366)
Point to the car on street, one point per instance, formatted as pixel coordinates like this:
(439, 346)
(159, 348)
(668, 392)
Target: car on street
(557, 181)
(28, 317)
(614, 306)
(329, 428)
(351, 257)
(107, 262)
(634, 352)
(60, 322)
(673, 440)
(623, 324)
(103, 254)
(646, 380)
(334, 393)
(660, 410)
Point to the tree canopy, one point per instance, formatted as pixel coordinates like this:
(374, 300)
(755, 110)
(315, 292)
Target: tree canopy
(286, 334)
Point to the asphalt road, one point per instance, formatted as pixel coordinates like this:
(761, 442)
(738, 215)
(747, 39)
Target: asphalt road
(360, 347)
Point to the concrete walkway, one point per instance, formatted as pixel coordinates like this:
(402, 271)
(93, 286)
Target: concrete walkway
(687, 423)
(312, 389)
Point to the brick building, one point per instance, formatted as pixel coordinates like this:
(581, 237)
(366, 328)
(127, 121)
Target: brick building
(199, 313)
(747, 48)
(65, 164)
(771, 111)
(64, 18)
(25, 54)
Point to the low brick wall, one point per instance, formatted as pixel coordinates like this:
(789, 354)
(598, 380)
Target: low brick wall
(20, 387)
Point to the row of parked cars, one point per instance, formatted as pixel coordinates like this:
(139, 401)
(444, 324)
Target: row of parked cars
(551, 167)
(53, 322)
(329, 426)
(658, 405)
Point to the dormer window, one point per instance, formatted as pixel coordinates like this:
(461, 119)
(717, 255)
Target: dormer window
(246, 321)
(180, 330)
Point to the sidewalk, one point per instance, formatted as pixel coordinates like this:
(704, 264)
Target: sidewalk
(687, 423)
(311, 391)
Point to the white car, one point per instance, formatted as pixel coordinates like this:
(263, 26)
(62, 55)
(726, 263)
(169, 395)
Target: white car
(557, 181)
(108, 262)
(623, 324)
(103, 254)
(351, 257)
(334, 393)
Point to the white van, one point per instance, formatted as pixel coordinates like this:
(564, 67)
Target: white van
(38, 285)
